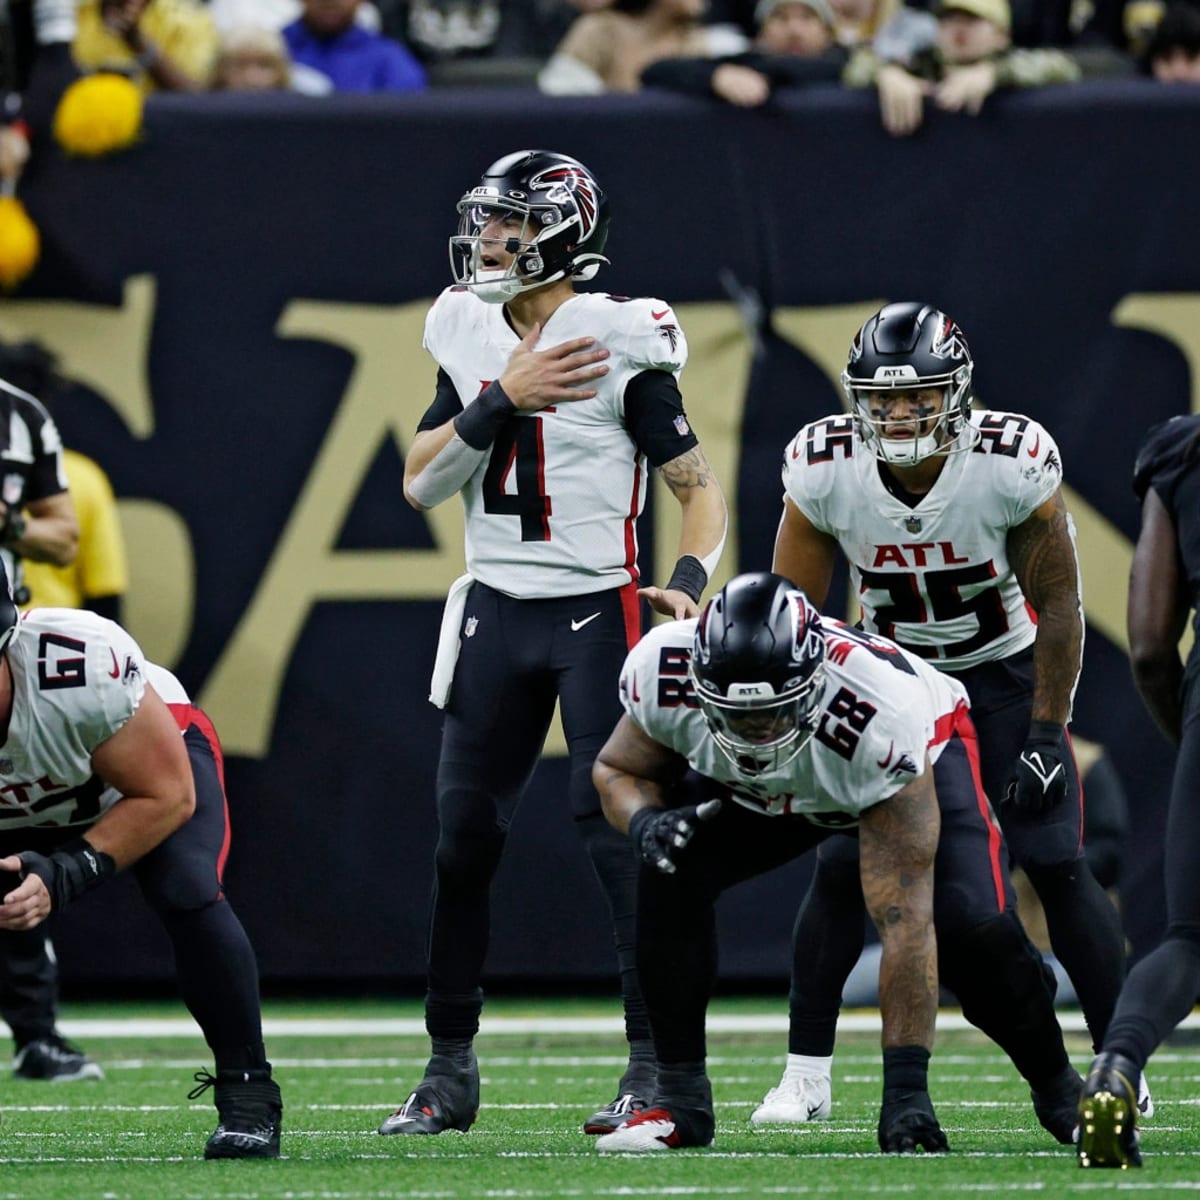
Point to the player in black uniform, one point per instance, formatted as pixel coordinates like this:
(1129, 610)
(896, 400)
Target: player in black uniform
(1163, 586)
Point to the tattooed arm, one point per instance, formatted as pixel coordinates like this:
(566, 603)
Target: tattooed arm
(629, 773)
(897, 843)
(702, 537)
(1042, 553)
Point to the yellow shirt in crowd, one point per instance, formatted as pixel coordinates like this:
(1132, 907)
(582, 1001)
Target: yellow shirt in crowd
(181, 29)
(99, 568)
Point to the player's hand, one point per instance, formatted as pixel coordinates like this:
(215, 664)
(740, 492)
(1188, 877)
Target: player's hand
(14, 153)
(743, 86)
(25, 905)
(660, 835)
(907, 1123)
(901, 99)
(670, 602)
(536, 379)
(1039, 780)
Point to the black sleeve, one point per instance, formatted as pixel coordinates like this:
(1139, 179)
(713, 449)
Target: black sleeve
(1168, 448)
(105, 606)
(691, 76)
(446, 404)
(655, 418)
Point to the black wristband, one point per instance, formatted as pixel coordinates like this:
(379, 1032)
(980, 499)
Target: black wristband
(639, 819)
(906, 1068)
(689, 577)
(71, 870)
(14, 527)
(484, 417)
(1046, 731)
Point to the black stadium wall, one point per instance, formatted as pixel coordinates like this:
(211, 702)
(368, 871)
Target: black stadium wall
(241, 297)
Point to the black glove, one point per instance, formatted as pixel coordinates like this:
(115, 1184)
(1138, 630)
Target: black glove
(659, 834)
(907, 1123)
(70, 871)
(1039, 780)
(12, 526)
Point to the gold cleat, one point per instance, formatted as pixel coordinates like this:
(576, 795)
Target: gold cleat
(1108, 1115)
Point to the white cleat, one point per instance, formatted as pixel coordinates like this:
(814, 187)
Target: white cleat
(1145, 1100)
(797, 1100)
(649, 1135)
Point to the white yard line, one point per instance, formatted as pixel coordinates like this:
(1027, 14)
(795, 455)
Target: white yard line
(319, 1027)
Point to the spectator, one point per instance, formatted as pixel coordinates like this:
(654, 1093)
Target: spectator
(858, 22)
(794, 45)
(169, 45)
(255, 58)
(608, 51)
(35, 66)
(275, 14)
(971, 58)
(1173, 54)
(328, 39)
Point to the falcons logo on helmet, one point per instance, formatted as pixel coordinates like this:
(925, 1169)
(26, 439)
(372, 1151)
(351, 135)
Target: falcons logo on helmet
(949, 341)
(581, 187)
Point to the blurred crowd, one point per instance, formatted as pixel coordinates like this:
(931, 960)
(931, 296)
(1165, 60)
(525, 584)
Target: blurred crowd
(951, 54)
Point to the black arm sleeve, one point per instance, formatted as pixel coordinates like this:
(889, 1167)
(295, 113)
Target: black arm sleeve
(447, 404)
(655, 418)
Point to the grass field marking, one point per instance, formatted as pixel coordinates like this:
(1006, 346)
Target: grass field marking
(859, 1021)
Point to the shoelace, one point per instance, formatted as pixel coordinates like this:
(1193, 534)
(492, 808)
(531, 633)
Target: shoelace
(203, 1082)
(623, 1104)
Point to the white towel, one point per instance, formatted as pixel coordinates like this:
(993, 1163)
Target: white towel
(449, 642)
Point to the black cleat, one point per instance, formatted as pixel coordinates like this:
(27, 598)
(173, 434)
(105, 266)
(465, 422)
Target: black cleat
(54, 1059)
(1108, 1114)
(250, 1112)
(447, 1098)
(613, 1116)
(1057, 1104)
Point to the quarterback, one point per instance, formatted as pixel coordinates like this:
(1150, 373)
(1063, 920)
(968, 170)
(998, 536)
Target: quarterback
(550, 408)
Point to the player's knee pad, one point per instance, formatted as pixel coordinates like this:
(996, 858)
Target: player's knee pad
(467, 859)
(996, 972)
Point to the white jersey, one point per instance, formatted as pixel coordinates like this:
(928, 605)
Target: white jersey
(77, 678)
(552, 509)
(882, 711)
(935, 577)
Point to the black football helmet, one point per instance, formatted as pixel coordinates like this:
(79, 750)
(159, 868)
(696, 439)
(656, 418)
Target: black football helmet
(758, 667)
(564, 215)
(906, 346)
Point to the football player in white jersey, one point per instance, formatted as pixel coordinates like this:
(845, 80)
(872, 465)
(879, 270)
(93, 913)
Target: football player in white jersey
(961, 549)
(802, 727)
(106, 765)
(550, 407)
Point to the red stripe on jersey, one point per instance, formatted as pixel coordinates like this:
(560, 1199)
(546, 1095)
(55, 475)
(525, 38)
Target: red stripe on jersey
(187, 715)
(541, 472)
(631, 609)
(959, 722)
(631, 548)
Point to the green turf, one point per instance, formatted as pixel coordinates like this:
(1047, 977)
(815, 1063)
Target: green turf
(135, 1136)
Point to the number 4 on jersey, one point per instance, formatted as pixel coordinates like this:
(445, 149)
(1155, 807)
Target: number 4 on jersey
(518, 448)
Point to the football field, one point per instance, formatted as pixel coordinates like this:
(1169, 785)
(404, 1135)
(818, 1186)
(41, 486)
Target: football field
(546, 1065)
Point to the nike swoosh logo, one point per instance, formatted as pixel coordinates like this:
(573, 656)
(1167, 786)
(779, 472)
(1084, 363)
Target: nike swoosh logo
(116, 671)
(576, 626)
(1037, 445)
(658, 316)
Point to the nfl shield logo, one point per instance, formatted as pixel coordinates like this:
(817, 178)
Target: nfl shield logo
(912, 524)
(681, 426)
(14, 489)
(470, 627)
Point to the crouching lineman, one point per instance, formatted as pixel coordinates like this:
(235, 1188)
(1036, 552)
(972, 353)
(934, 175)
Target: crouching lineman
(106, 764)
(817, 727)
